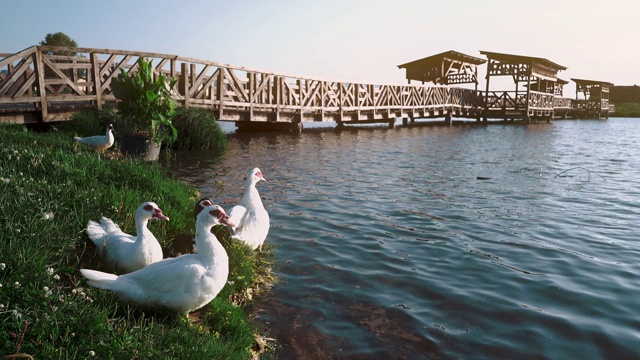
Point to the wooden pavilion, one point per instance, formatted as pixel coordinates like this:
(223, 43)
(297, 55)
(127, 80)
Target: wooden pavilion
(449, 67)
(539, 77)
(594, 102)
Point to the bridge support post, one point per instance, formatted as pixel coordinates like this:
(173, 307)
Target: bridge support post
(447, 118)
(405, 121)
(392, 124)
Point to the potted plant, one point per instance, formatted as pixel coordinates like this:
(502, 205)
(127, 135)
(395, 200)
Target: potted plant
(146, 110)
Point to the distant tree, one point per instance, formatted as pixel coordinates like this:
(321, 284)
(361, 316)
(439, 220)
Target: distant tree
(59, 39)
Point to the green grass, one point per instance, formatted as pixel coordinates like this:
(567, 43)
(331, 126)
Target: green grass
(197, 129)
(49, 189)
(627, 110)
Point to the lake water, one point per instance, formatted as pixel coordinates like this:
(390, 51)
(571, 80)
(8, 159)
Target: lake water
(464, 242)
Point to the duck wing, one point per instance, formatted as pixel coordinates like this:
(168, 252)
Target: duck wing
(237, 217)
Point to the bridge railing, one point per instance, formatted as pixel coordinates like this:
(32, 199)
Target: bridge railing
(57, 81)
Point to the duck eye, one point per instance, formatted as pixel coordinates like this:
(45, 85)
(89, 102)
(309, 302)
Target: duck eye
(148, 207)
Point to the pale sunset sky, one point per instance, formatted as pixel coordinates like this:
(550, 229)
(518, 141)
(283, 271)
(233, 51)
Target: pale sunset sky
(345, 40)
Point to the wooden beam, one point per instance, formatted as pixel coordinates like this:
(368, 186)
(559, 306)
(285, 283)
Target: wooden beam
(42, 93)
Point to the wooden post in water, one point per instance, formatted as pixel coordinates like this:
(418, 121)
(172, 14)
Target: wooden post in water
(526, 115)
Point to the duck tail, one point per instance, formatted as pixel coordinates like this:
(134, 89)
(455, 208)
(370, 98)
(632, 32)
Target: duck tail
(99, 279)
(96, 232)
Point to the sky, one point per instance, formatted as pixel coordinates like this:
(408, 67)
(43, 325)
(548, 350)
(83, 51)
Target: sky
(345, 40)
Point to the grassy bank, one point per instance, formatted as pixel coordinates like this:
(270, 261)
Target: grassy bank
(49, 189)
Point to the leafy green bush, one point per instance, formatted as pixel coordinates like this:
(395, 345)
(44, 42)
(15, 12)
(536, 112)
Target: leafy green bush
(627, 110)
(145, 103)
(198, 129)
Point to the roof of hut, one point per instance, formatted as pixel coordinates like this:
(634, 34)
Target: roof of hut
(520, 59)
(591, 82)
(449, 67)
(438, 58)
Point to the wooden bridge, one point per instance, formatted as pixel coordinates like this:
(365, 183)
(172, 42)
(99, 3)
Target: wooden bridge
(47, 84)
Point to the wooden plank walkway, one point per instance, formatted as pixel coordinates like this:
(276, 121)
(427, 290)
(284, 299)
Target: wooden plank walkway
(38, 86)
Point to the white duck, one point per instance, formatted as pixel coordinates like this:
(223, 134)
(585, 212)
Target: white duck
(250, 216)
(182, 284)
(98, 142)
(126, 252)
(185, 243)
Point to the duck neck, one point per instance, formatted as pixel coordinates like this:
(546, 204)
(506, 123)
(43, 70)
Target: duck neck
(141, 230)
(251, 196)
(207, 244)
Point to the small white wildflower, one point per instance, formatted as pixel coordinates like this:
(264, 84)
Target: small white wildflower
(50, 271)
(92, 353)
(239, 278)
(1, 306)
(3, 266)
(230, 282)
(16, 285)
(17, 315)
(18, 230)
(56, 277)
(6, 181)
(48, 216)
(46, 288)
(0, 285)
(74, 291)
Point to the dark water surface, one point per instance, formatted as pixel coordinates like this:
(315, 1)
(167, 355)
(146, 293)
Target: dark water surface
(390, 247)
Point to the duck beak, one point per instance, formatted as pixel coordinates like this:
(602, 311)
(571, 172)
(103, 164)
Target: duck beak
(222, 217)
(159, 215)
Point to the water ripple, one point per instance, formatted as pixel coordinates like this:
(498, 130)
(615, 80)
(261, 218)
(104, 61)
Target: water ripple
(390, 246)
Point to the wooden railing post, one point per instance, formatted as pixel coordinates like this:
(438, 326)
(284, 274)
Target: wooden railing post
(251, 87)
(220, 93)
(277, 83)
(97, 79)
(184, 83)
(42, 91)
